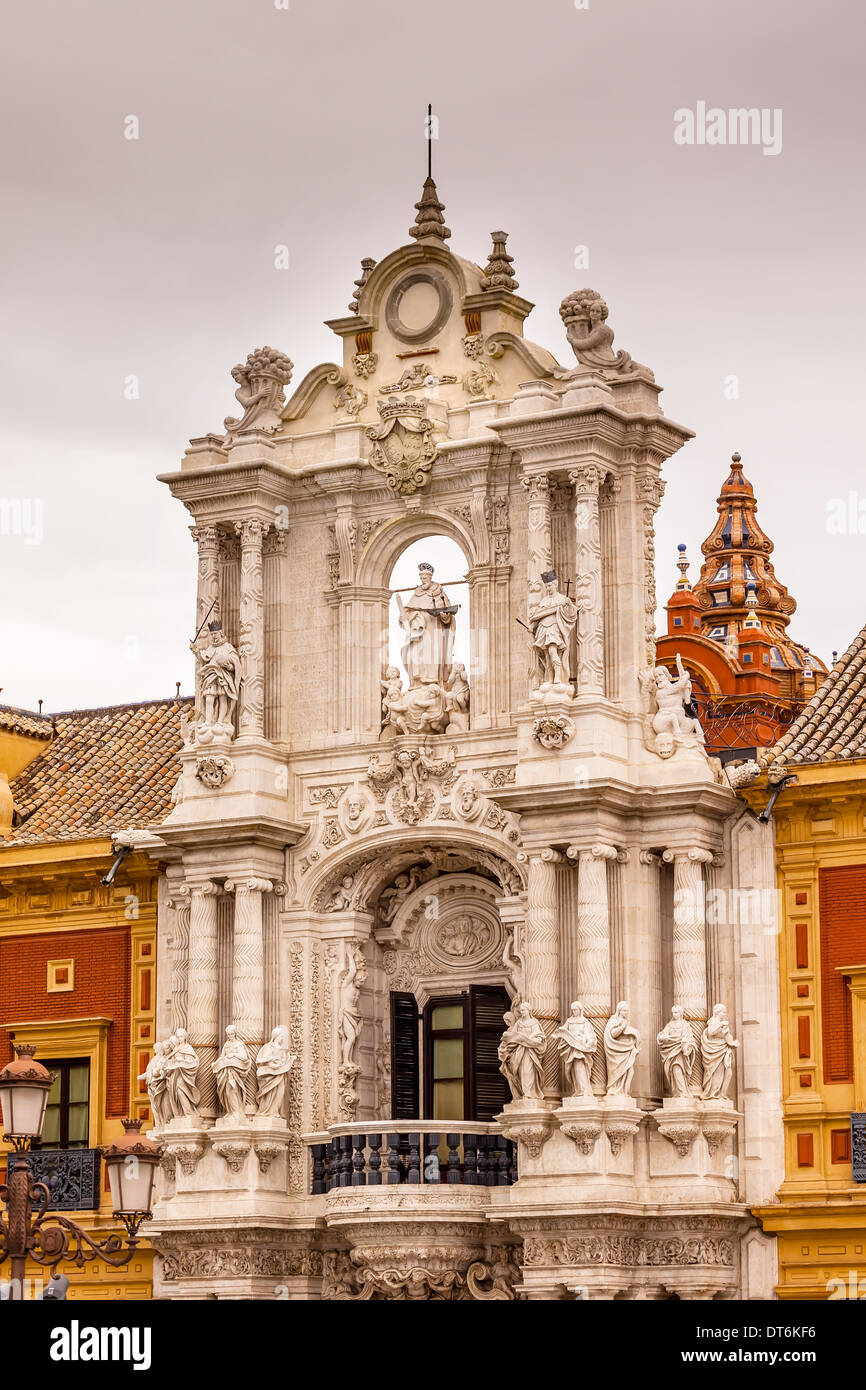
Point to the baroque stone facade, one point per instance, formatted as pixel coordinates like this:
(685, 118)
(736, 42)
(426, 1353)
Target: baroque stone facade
(393, 859)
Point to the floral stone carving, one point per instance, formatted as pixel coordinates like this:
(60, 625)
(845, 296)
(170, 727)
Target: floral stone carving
(553, 731)
(261, 382)
(214, 771)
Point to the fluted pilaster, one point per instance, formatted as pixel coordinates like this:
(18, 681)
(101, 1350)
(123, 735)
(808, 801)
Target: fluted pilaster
(540, 541)
(593, 939)
(248, 961)
(180, 903)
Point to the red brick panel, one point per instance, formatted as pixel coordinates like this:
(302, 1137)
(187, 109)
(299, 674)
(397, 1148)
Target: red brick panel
(842, 899)
(102, 975)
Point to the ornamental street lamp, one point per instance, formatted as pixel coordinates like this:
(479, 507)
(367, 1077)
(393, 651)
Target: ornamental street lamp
(131, 1161)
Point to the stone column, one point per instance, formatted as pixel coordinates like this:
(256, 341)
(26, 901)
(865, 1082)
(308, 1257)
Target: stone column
(180, 904)
(251, 646)
(274, 551)
(541, 956)
(690, 934)
(540, 543)
(248, 959)
(587, 481)
(207, 608)
(203, 992)
(593, 941)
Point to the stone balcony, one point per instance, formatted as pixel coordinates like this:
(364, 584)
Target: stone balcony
(421, 1154)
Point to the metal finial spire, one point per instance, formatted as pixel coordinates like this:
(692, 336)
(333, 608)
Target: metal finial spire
(429, 139)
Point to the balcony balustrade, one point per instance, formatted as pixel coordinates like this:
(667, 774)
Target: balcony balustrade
(72, 1176)
(419, 1152)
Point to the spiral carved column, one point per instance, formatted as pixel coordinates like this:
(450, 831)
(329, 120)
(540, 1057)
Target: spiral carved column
(690, 934)
(593, 941)
(541, 956)
(251, 646)
(589, 598)
(180, 903)
(540, 541)
(203, 992)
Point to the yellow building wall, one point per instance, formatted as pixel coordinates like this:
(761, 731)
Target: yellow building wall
(821, 1217)
(56, 888)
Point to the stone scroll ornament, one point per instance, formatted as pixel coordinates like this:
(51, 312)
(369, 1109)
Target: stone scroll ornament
(403, 449)
(261, 392)
(231, 1069)
(577, 1042)
(621, 1046)
(717, 1055)
(520, 1053)
(584, 314)
(668, 724)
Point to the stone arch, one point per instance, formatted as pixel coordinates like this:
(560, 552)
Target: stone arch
(384, 855)
(387, 544)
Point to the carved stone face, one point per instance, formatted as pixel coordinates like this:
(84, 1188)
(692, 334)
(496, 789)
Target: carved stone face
(467, 799)
(354, 808)
(425, 578)
(677, 1012)
(665, 745)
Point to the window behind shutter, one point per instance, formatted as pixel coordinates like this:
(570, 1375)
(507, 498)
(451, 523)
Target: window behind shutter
(405, 1098)
(489, 1087)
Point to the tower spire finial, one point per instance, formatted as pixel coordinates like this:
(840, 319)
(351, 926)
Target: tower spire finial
(430, 223)
(429, 139)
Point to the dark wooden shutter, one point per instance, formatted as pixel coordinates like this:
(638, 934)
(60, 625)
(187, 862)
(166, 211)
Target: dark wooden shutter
(488, 1087)
(405, 1097)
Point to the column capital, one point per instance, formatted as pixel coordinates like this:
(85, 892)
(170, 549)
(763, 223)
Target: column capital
(550, 856)
(205, 535)
(208, 889)
(588, 478)
(251, 530)
(693, 853)
(596, 851)
(536, 484)
(249, 885)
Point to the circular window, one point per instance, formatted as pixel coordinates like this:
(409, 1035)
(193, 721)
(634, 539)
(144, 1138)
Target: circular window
(418, 306)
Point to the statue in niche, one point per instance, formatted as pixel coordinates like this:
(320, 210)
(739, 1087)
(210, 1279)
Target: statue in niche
(218, 679)
(576, 1040)
(621, 1047)
(181, 1069)
(273, 1065)
(393, 706)
(353, 976)
(260, 392)
(584, 314)
(427, 619)
(552, 617)
(668, 724)
(717, 1055)
(677, 1048)
(520, 1052)
(156, 1081)
(231, 1069)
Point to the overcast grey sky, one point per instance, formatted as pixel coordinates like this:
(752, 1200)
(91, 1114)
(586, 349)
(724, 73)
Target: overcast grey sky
(259, 126)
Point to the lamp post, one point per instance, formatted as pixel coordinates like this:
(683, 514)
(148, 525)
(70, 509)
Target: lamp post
(27, 1230)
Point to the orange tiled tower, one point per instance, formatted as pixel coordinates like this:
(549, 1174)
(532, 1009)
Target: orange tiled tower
(750, 678)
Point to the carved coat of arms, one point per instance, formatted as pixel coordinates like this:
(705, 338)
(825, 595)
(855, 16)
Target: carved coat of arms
(402, 445)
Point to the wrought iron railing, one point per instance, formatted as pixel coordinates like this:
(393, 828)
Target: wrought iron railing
(72, 1176)
(753, 723)
(476, 1156)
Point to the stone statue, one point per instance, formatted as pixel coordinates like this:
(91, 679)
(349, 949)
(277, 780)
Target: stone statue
(668, 726)
(457, 701)
(520, 1052)
(393, 704)
(261, 380)
(349, 1016)
(231, 1069)
(552, 617)
(577, 1042)
(273, 1065)
(218, 678)
(181, 1068)
(717, 1055)
(584, 314)
(427, 619)
(677, 1048)
(155, 1080)
(621, 1047)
